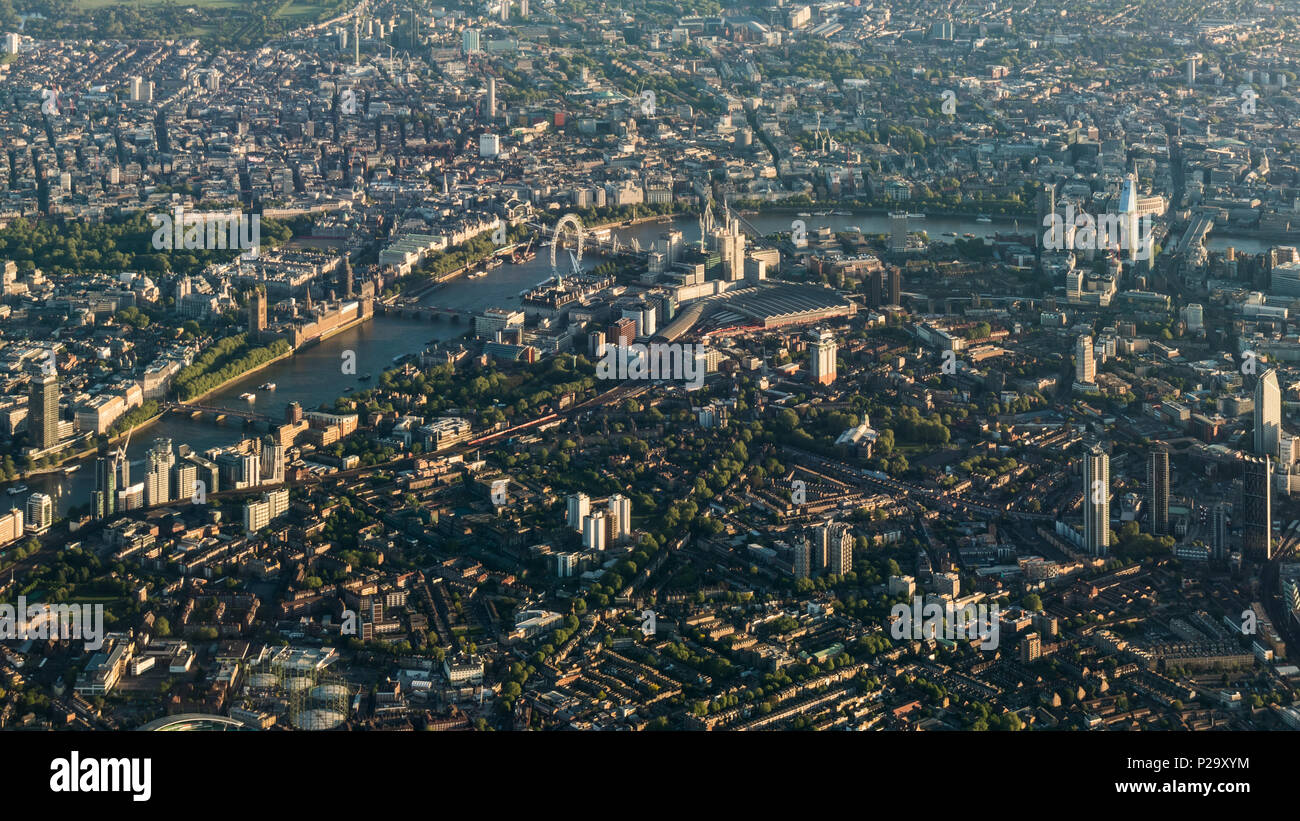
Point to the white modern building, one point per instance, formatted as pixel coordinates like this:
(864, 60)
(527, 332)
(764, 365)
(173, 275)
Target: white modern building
(1085, 364)
(257, 515)
(594, 531)
(579, 507)
(619, 509)
(40, 513)
(141, 90)
(11, 526)
(1268, 414)
(821, 356)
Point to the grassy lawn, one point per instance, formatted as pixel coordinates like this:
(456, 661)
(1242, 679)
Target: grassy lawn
(91, 5)
(104, 599)
(301, 10)
(237, 23)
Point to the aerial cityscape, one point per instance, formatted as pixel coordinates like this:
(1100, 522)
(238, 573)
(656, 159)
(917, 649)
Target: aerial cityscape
(572, 365)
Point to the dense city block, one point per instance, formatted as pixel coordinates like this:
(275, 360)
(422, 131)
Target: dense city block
(575, 365)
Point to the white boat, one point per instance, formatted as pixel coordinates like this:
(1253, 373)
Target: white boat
(14, 491)
(248, 397)
(843, 213)
(266, 386)
(803, 214)
(982, 218)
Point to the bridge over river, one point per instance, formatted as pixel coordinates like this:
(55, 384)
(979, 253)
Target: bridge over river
(218, 414)
(430, 313)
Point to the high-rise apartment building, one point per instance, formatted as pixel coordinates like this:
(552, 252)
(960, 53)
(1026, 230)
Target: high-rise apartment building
(1158, 490)
(1085, 364)
(271, 464)
(876, 294)
(1268, 414)
(802, 558)
(834, 542)
(1219, 547)
(240, 466)
(158, 472)
(43, 410)
(594, 531)
(105, 492)
(469, 41)
(141, 90)
(898, 232)
(123, 465)
(1046, 202)
(40, 513)
(1257, 509)
(566, 564)
(185, 478)
(621, 332)
(1096, 500)
(579, 507)
(821, 356)
(619, 509)
(1031, 648)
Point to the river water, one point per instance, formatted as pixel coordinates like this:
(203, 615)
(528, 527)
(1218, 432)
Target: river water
(314, 378)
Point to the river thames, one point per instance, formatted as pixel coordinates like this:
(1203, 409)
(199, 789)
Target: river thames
(313, 377)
